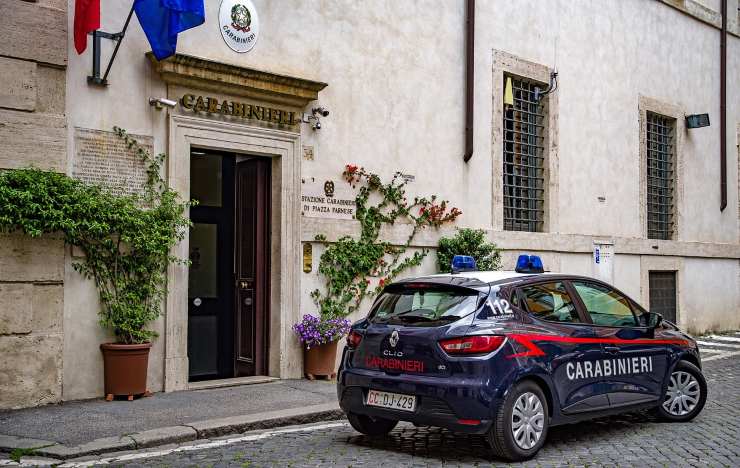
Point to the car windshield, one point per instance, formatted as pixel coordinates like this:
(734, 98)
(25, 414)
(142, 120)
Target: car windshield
(424, 306)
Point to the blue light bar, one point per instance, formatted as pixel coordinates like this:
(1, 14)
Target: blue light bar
(529, 264)
(463, 263)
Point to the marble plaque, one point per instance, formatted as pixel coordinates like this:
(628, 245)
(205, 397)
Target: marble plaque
(103, 159)
(327, 199)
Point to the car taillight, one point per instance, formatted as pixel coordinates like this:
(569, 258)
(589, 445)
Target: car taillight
(479, 344)
(353, 339)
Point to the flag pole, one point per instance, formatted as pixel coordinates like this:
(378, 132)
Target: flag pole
(118, 43)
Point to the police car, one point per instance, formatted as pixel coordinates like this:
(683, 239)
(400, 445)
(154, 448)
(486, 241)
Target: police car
(510, 354)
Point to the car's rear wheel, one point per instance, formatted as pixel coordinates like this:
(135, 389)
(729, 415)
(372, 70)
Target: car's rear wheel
(685, 394)
(520, 427)
(371, 426)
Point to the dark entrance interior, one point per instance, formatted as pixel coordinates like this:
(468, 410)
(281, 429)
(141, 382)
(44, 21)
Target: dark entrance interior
(228, 283)
(662, 291)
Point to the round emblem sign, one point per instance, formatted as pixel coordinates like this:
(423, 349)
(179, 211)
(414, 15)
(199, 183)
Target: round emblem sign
(239, 23)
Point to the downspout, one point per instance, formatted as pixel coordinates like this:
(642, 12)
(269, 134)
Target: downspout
(469, 77)
(723, 108)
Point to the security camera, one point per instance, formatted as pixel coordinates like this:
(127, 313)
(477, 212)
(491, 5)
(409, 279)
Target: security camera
(159, 102)
(320, 110)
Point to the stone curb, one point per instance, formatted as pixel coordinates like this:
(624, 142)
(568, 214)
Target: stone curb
(177, 434)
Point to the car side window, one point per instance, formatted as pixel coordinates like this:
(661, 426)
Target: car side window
(605, 306)
(515, 300)
(550, 301)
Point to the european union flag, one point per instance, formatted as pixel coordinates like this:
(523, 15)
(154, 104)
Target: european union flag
(163, 20)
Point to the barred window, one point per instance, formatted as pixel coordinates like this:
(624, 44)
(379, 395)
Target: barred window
(660, 175)
(524, 167)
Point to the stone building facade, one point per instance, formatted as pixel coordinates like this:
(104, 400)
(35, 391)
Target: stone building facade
(392, 75)
(33, 131)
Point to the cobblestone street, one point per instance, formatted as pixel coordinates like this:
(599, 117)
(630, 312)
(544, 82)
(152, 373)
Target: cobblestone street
(712, 439)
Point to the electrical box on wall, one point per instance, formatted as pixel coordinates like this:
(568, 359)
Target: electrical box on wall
(603, 261)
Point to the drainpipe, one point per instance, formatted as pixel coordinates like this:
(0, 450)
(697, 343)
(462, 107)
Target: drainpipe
(723, 108)
(469, 70)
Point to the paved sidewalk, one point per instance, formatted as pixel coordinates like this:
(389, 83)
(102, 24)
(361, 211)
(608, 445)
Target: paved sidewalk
(96, 426)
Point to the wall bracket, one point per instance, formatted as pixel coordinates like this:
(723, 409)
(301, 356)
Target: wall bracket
(97, 35)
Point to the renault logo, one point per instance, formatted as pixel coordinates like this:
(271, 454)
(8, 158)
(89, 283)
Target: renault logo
(393, 341)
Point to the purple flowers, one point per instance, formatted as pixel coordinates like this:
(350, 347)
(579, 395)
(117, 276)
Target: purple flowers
(314, 331)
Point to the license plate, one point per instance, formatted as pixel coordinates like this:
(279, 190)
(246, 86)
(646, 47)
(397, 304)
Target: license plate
(391, 400)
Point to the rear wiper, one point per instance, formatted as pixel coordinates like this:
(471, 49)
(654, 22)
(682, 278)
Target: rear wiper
(413, 318)
(424, 318)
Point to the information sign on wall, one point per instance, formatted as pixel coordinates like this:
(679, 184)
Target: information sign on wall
(327, 199)
(603, 261)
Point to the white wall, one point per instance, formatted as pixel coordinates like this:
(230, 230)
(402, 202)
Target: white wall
(708, 302)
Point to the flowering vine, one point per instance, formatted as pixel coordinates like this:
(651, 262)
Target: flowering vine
(348, 263)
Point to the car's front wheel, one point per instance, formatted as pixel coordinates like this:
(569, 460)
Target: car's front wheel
(371, 426)
(685, 394)
(520, 427)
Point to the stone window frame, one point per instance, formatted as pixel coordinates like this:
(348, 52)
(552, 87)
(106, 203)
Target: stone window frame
(505, 63)
(647, 105)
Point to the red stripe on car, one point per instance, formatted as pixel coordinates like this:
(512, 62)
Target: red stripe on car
(532, 349)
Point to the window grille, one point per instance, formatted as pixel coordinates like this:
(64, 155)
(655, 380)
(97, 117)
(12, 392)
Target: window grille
(524, 166)
(662, 291)
(660, 175)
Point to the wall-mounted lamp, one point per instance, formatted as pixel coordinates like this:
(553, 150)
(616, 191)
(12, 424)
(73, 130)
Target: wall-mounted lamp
(159, 103)
(697, 120)
(538, 93)
(314, 118)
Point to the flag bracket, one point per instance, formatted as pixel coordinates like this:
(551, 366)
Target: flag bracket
(97, 35)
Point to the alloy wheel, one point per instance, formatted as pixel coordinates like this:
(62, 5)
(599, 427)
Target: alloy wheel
(682, 395)
(527, 420)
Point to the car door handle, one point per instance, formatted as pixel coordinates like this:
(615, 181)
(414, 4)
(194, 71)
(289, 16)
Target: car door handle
(611, 349)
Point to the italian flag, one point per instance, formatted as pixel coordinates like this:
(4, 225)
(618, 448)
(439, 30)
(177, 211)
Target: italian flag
(87, 19)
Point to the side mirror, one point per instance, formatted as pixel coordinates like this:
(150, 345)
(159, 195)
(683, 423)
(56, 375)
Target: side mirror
(651, 320)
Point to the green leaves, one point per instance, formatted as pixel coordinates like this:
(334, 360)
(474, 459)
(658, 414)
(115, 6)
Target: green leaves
(126, 239)
(347, 264)
(468, 242)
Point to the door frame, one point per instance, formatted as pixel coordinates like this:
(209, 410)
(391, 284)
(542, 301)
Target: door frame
(283, 148)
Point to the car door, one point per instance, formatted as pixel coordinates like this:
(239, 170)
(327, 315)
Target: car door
(634, 362)
(569, 343)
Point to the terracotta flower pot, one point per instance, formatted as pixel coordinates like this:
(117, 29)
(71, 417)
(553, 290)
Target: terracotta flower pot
(125, 368)
(320, 360)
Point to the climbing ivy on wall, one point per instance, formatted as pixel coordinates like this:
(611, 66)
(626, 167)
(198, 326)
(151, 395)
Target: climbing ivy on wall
(126, 239)
(347, 264)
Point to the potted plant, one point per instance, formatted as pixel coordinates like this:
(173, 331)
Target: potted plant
(319, 337)
(129, 269)
(126, 241)
(126, 361)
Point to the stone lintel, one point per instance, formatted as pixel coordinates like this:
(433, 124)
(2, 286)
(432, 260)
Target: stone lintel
(199, 73)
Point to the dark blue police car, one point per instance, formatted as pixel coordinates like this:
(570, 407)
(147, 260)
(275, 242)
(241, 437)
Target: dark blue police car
(509, 354)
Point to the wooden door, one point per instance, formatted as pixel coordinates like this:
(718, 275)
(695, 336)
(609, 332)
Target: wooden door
(252, 250)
